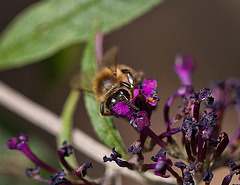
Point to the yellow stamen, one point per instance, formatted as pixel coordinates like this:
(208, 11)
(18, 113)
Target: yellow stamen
(150, 100)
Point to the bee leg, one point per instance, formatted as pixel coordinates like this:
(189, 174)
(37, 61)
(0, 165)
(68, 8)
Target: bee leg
(102, 111)
(124, 99)
(129, 75)
(131, 105)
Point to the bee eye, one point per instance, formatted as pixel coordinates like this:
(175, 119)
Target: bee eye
(111, 102)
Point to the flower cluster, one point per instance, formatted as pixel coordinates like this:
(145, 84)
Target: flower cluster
(59, 177)
(200, 117)
(199, 122)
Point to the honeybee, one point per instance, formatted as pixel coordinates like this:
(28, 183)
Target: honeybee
(115, 83)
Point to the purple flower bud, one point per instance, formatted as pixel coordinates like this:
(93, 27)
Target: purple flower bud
(184, 65)
(65, 151)
(187, 178)
(30, 172)
(59, 178)
(204, 94)
(135, 148)
(83, 169)
(180, 165)
(161, 166)
(234, 169)
(192, 167)
(208, 123)
(189, 124)
(115, 157)
(223, 142)
(161, 153)
(140, 120)
(208, 176)
(231, 164)
(21, 143)
(115, 154)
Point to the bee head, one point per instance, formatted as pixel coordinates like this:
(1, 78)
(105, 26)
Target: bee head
(118, 96)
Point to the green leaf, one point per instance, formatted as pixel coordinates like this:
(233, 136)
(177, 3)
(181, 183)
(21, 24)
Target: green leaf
(103, 126)
(61, 65)
(67, 118)
(48, 26)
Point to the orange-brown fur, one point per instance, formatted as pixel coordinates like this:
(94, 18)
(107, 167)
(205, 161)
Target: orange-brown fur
(106, 83)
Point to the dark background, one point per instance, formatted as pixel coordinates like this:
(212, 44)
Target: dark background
(207, 30)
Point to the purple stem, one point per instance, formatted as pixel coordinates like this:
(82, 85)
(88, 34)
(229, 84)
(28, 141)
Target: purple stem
(194, 143)
(188, 149)
(170, 132)
(221, 147)
(64, 162)
(227, 179)
(202, 148)
(196, 108)
(143, 137)
(26, 150)
(146, 167)
(166, 116)
(167, 107)
(176, 118)
(179, 179)
(126, 164)
(151, 134)
(83, 179)
(184, 90)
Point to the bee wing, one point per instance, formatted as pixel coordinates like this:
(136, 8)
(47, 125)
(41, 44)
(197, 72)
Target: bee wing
(77, 83)
(109, 59)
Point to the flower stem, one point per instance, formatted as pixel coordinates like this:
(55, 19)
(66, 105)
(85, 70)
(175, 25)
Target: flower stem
(37, 161)
(159, 141)
(188, 149)
(179, 179)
